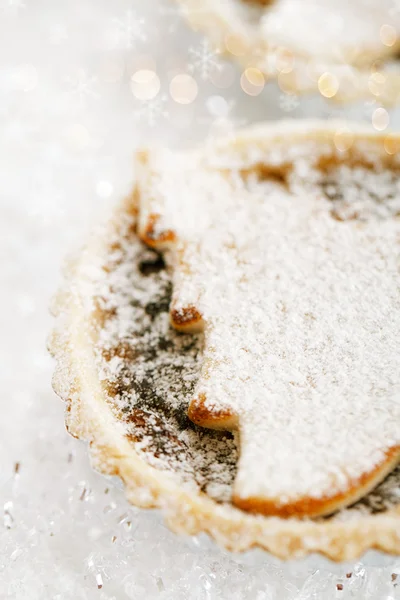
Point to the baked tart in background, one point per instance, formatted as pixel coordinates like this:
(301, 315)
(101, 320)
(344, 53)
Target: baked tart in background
(344, 50)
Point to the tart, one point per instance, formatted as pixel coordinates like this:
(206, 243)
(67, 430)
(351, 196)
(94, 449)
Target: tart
(228, 340)
(344, 50)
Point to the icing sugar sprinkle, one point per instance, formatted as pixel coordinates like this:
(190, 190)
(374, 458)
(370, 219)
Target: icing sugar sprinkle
(133, 285)
(294, 265)
(149, 370)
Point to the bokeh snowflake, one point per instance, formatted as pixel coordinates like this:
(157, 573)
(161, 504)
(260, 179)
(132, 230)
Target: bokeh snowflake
(81, 86)
(288, 102)
(129, 29)
(204, 60)
(150, 111)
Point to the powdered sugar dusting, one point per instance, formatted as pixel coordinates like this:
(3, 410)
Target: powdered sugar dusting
(295, 272)
(134, 284)
(149, 371)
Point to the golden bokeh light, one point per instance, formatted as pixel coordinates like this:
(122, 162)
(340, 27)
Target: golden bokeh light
(392, 144)
(380, 119)
(235, 45)
(388, 35)
(145, 84)
(328, 85)
(376, 83)
(183, 88)
(252, 81)
(284, 60)
(343, 139)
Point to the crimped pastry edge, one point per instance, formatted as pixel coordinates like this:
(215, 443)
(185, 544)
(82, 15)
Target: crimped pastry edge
(89, 417)
(219, 19)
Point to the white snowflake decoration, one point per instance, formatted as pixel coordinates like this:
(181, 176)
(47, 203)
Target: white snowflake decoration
(204, 60)
(81, 86)
(129, 30)
(288, 102)
(150, 111)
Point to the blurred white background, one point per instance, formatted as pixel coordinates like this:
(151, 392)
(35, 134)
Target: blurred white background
(82, 84)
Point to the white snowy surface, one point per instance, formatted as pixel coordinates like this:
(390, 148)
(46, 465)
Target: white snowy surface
(69, 123)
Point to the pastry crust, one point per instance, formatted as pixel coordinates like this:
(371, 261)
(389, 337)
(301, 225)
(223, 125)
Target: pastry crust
(317, 506)
(200, 414)
(90, 417)
(234, 29)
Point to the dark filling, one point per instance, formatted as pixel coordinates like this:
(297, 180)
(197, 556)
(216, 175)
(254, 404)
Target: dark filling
(157, 369)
